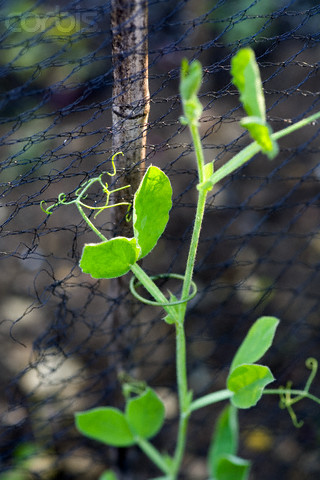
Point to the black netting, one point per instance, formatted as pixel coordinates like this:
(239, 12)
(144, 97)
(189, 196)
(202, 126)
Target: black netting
(259, 250)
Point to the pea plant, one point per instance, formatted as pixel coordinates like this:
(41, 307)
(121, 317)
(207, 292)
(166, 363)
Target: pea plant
(144, 412)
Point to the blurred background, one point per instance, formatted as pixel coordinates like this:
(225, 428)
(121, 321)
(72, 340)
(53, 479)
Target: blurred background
(259, 251)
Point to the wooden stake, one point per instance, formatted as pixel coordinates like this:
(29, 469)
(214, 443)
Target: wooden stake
(130, 111)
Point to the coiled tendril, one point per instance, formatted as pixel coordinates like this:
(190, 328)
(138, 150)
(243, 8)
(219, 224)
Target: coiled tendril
(81, 194)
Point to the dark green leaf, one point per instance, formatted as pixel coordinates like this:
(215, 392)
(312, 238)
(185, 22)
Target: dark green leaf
(107, 425)
(231, 467)
(151, 206)
(109, 259)
(145, 414)
(225, 439)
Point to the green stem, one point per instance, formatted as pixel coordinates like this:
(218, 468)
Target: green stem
(148, 283)
(181, 360)
(284, 391)
(153, 454)
(91, 225)
(248, 152)
(184, 398)
(211, 398)
(151, 287)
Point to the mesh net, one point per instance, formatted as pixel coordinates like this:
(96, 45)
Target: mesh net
(259, 250)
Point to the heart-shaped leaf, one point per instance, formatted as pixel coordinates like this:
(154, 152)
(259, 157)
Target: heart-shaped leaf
(257, 341)
(151, 206)
(145, 414)
(109, 259)
(107, 425)
(247, 382)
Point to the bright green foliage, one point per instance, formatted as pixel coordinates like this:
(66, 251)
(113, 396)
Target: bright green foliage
(190, 82)
(246, 77)
(145, 414)
(257, 341)
(152, 203)
(107, 425)
(247, 382)
(109, 259)
(222, 460)
(261, 132)
(151, 206)
(191, 79)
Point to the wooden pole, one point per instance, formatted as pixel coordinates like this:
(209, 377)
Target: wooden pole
(130, 111)
(131, 101)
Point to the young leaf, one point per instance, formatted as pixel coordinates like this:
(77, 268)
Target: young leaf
(145, 414)
(109, 259)
(261, 132)
(107, 425)
(257, 341)
(191, 79)
(247, 382)
(225, 438)
(231, 467)
(246, 77)
(190, 82)
(151, 206)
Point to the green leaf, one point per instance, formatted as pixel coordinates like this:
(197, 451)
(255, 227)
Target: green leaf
(257, 341)
(261, 132)
(109, 259)
(145, 414)
(151, 206)
(231, 467)
(247, 382)
(246, 77)
(191, 79)
(108, 475)
(225, 438)
(105, 424)
(190, 82)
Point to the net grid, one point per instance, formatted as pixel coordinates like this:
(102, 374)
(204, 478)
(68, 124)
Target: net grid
(259, 250)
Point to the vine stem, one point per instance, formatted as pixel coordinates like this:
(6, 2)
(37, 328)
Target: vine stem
(284, 391)
(181, 357)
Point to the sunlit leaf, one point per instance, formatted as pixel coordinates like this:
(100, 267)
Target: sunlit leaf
(246, 77)
(109, 259)
(151, 206)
